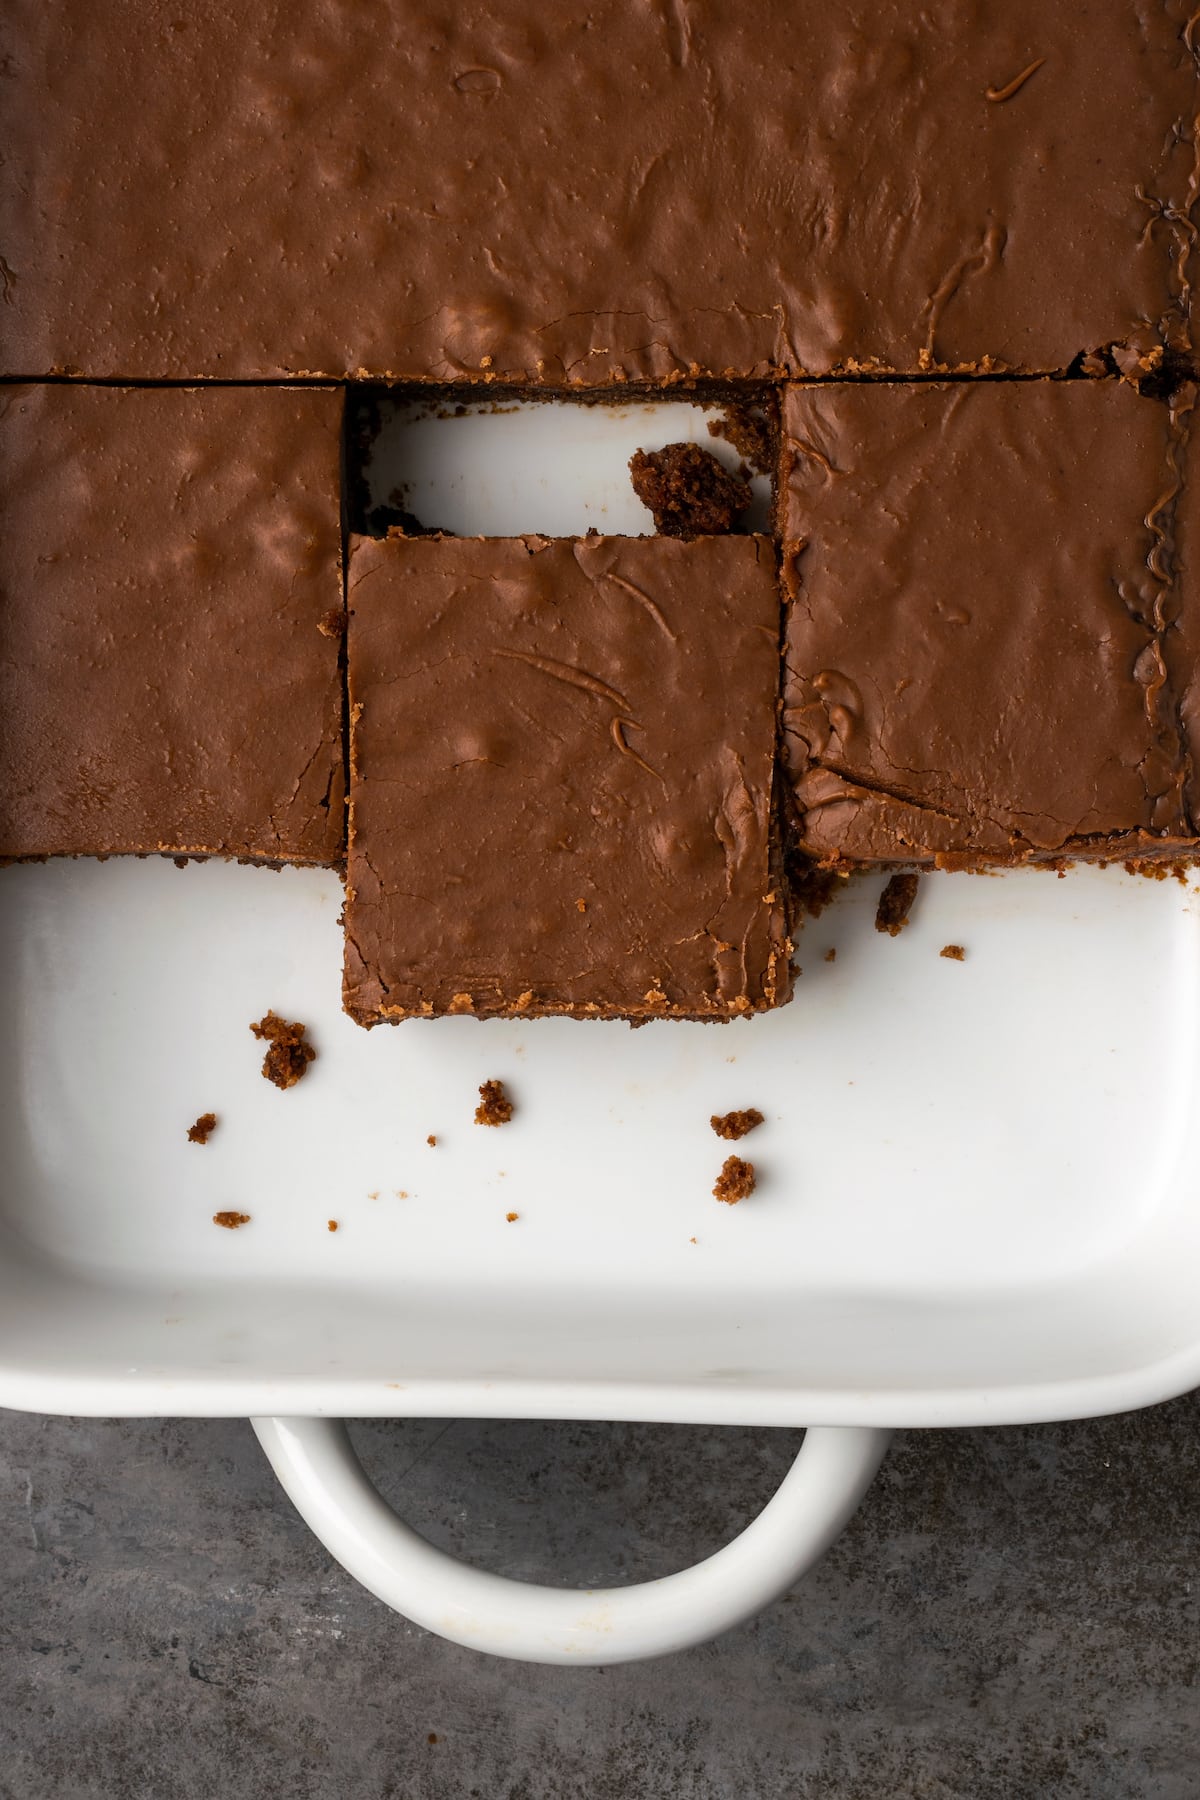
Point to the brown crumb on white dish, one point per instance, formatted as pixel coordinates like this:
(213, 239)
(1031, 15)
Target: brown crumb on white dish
(735, 1182)
(288, 1055)
(895, 904)
(690, 493)
(202, 1130)
(495, 1107)
(431, 1140)
(734, 1125)
(751, 432)
(231, 1220)
(512, 1217)
(953, 953)
(1158, 871)
(332, 1225)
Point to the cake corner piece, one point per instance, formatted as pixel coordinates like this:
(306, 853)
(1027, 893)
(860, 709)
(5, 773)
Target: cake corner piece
(166, 686)
(993, 624)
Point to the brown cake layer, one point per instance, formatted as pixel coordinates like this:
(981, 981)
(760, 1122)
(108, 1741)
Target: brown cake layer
(994, 634)
(166, 560)
(585, 194)
(561, 778)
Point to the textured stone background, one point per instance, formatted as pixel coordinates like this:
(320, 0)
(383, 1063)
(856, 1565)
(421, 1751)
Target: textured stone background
(1013, 1614)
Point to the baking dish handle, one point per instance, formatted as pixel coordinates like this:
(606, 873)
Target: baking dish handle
(323, 1477)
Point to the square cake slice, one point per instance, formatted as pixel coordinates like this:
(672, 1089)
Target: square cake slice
(991, 638)
(561, 778)
(170, 623)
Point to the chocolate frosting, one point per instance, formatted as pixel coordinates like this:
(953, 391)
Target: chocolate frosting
(991, 648)
(167, 559)
(561, 774)
(508, 189)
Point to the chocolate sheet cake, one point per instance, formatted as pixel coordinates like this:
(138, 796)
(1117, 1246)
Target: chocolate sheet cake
(593, 194)
(948, 249)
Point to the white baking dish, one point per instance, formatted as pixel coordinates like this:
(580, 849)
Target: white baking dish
(979, 1201)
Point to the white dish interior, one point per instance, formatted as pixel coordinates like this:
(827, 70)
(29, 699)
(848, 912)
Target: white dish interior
(977, 1195)
(556, 467)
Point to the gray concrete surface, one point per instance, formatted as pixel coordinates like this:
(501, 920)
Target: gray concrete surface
(1013, 1614)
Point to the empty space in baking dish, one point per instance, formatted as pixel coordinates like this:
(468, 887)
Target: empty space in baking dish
(976, 1198)
(505, 464)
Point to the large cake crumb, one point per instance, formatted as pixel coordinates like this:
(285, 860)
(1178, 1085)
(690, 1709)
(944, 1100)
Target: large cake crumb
(231, 1220)
(953, 952)
(895, 904)
(689, 492)
(734, 1125)
(288, 1055)
(751, 432)
(495, 1107)
(735, 1182)
(200, 1132)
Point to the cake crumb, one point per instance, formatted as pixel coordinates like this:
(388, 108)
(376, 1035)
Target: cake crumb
(231, 1220)
(831, 954)
(333, 1225)
(734, 1125)
(202, 1130)
(749, 431)
(495, 1107)
(512, 1217)
(581, 905)
(1158, 871)
(895, 904)
(735, 1181)
(953, 952)
(692, 1240)
(332, 624)
(431, 1140)
(689, 492)
(401, 1193)
(288, 1056)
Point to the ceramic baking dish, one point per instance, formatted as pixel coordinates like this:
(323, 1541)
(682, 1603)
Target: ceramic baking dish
(979, 1201)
